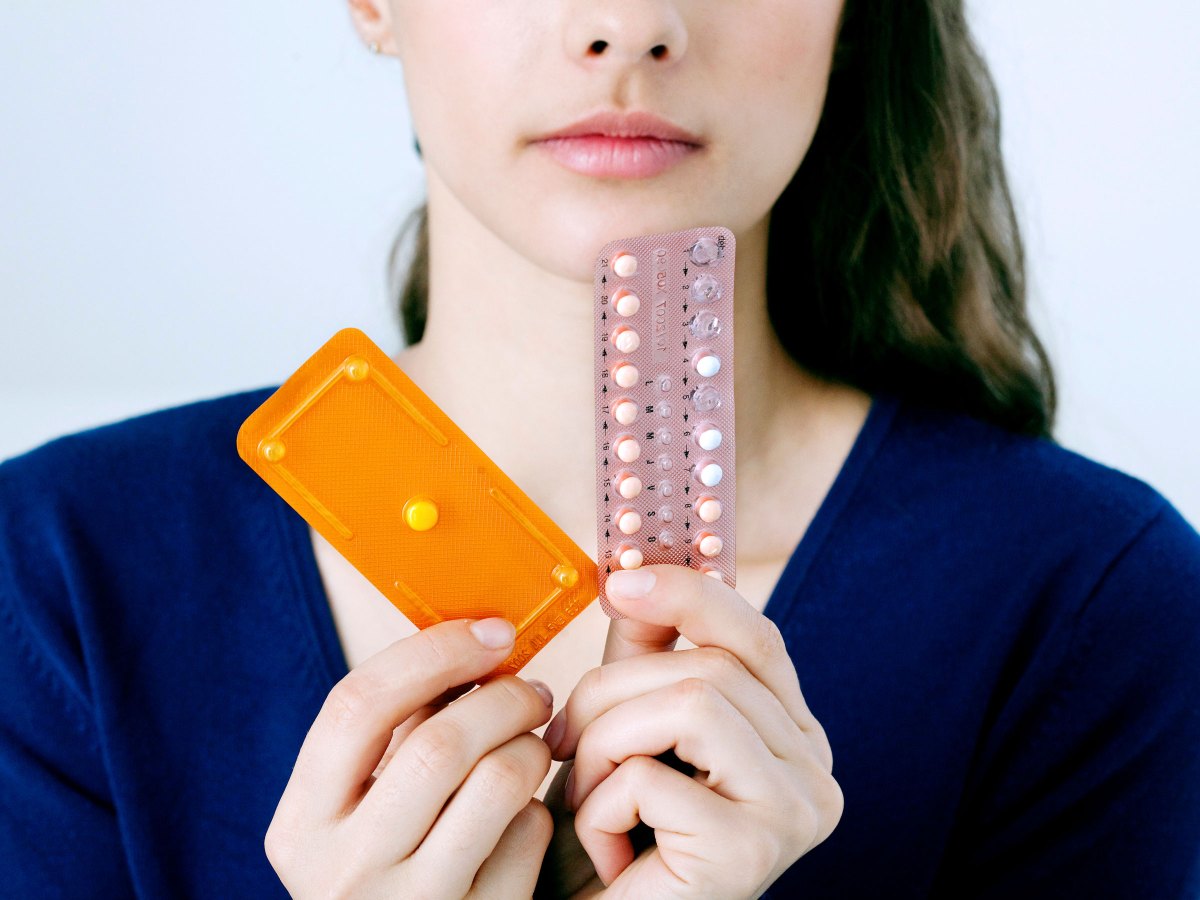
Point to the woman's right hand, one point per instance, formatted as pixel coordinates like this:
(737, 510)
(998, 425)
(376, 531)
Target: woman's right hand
(398, 792)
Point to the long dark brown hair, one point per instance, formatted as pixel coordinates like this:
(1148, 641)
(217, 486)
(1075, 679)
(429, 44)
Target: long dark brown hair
(905, 265)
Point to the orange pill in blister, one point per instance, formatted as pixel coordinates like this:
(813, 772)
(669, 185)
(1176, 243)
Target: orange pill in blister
(370, 462)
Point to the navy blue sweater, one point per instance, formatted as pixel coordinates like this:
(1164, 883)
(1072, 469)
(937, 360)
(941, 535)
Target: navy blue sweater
(1000, 636)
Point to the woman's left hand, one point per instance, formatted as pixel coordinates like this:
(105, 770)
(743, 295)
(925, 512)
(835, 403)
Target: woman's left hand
(762, 794)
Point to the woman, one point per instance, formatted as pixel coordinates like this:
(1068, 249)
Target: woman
(971, 610)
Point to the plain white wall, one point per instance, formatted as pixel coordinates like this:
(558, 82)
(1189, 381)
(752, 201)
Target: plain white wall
(194, 198)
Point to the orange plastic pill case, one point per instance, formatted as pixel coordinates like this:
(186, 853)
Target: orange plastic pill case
(367, 458)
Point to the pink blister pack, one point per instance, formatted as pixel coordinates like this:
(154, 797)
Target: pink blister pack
(664, 403)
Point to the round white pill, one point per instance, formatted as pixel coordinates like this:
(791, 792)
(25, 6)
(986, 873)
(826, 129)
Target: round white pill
(630, 558)
(629, 522)
(709, 509)
(707, 363)
(628, 485)
(624, 264)
(625, 374)
(626, 339)
(708, 438)
(709, 544)
(628, 449)
(709, 474)
(713, 573)
(625, 411)
(626, 302)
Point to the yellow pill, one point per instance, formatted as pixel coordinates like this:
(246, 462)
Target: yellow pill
(565, 575)
(420, 513)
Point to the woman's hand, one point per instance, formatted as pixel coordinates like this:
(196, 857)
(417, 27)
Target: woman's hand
(397, 792)
(761, 794)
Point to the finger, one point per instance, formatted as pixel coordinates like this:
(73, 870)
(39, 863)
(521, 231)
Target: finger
(355, 723)
(498, 788)
(513, 867)
(695, 720)
(668, 801)
(629, 637)
(608, 686)
(466, 833)
(401, 731)
(710, 613)
(436, 758)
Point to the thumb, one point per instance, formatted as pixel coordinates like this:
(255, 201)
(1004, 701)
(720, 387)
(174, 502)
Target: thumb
(628, 637)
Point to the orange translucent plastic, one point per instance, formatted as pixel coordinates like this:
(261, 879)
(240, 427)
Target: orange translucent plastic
(358, 450)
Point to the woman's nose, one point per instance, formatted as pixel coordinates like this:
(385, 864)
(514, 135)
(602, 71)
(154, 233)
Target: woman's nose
(624, 32)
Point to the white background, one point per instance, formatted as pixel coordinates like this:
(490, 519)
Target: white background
(194, 197)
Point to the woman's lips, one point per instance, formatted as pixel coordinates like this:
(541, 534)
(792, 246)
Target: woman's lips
(617, 157)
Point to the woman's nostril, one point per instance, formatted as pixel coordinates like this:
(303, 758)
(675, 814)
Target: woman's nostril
(597, 46)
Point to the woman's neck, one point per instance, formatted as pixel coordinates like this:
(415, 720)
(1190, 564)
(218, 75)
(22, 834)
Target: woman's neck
(507, 353)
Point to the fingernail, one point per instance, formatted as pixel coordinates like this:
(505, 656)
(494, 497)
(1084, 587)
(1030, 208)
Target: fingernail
(554, 732)
(568, 791)
(630, 583)
(542, 688)
(494, 633)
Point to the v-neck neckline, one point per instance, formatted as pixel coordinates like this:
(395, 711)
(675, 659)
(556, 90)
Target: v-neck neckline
(870, 436)
(318, 614)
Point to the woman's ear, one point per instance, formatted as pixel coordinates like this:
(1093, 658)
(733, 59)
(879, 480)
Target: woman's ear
(372, 20)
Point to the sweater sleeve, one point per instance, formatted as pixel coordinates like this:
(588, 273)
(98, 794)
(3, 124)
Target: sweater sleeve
(1101, 795)
(59, 832)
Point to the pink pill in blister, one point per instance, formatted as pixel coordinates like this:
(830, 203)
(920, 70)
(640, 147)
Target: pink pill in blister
(625, 374)
(627, 448)
(628, 556)
(625, 339)
(625, 411)
(664, 403)
(628, 485)
(708, 509)
(626, 302)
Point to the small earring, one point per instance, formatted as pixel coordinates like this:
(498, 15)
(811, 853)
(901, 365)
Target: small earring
(374, 46)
